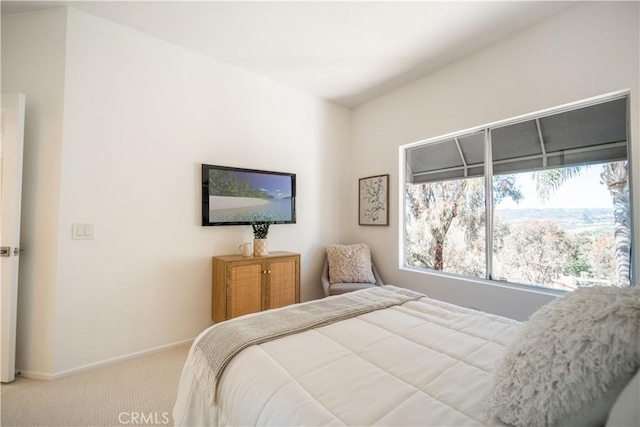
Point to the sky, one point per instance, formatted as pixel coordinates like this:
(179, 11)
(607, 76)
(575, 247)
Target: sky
(277, 185)
(582, 191)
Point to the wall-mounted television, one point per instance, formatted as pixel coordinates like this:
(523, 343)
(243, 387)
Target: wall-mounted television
(234, 196)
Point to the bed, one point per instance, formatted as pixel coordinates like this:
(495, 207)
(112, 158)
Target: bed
(421, 362)
(390, 356)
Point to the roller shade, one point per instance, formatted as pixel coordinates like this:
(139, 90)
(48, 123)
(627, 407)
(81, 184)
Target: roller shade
(592, 134)
(449, 159)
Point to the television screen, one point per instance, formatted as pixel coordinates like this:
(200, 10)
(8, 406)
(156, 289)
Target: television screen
(234, 196)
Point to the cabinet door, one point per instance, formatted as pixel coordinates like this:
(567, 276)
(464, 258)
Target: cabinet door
(284, 281)
(244, 288)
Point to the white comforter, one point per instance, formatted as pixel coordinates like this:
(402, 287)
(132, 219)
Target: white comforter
(423, 363)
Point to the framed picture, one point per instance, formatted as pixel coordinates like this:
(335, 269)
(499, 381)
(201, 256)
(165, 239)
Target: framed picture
(373, 203)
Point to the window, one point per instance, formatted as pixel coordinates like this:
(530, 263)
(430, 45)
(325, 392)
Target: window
(541, 201)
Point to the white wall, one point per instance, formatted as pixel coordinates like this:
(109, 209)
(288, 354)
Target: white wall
(119, 122)
(588, 50)
(140, 116)
(33, 60)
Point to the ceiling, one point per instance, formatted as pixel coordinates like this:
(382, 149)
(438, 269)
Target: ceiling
(347, 52)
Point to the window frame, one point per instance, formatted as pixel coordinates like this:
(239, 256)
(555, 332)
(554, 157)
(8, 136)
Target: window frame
(488, 176)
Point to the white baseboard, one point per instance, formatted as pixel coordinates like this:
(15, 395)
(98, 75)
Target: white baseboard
(32, 375)
(50, 377)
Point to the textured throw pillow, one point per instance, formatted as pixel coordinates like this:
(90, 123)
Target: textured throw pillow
(350, 264)
(570, 355)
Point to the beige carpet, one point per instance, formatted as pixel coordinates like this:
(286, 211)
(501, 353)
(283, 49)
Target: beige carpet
(135, 392)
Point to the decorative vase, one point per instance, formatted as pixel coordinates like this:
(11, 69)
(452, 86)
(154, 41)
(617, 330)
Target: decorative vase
(260, 247)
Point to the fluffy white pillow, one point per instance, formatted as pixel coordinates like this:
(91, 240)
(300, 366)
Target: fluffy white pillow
(350, 264)
(570, 355)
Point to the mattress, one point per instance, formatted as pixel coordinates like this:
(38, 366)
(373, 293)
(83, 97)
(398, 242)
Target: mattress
(422, 363)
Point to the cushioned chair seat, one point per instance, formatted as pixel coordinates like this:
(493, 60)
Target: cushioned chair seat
(341, 288)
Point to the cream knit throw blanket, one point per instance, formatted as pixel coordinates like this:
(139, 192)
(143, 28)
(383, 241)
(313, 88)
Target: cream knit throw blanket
(213, 351)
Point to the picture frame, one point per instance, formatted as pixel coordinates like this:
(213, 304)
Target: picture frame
(373, 200)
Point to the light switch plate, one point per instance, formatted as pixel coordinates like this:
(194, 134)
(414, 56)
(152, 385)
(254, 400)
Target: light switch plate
(84, 231)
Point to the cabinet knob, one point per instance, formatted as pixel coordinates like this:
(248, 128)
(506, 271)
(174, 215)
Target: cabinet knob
(269, 271)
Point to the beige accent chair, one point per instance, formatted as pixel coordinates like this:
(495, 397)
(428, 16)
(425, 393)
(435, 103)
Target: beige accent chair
(341, 288)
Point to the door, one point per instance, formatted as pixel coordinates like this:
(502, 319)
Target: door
(284, 282)
(244, 292)
(11, 146)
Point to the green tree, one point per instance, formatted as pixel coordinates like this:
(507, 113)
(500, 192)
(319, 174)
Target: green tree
(536, 252)
(578, 261)
(615, 176)
(601, 258)
(226, 183)
(434, 209)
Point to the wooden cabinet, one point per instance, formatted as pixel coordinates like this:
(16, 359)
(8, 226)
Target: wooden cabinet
(247, 285)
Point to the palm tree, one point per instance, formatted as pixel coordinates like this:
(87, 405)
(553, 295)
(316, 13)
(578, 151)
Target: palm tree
(615, 176)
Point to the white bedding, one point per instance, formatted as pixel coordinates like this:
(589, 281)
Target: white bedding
(423, 363)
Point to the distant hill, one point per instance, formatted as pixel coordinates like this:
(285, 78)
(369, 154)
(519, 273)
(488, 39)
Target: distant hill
(574, 220)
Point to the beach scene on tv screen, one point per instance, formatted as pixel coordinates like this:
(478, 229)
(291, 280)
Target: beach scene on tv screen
(236, 196)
